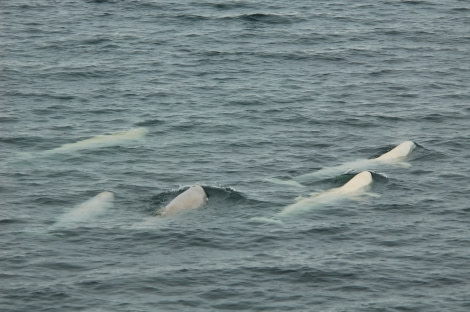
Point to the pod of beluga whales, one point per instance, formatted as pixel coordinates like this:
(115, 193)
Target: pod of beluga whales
(196, 197)
(355, 189)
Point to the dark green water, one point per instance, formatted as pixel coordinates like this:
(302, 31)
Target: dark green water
(234, 95)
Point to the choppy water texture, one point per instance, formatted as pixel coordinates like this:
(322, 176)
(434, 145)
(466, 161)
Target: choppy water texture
(233, 95)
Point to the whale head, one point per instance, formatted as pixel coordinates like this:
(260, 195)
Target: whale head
(399, 153)
(193, 198)
(359, 183)
(105, 196)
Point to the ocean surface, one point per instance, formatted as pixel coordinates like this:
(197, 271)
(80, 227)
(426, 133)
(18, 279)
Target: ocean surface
(146, 98)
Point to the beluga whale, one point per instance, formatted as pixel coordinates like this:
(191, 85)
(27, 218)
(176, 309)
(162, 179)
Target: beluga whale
(103, 140)
(395, 157)
(192, 198)
(397, 154)
(88, 210)
(354, 189)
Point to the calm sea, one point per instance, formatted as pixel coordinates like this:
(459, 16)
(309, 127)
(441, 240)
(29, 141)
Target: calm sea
(241, 97)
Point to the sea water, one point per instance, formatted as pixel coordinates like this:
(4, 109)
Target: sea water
(234, 95)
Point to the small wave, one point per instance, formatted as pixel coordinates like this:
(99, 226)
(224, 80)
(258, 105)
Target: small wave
(228, 5)
(224, 194)
(262, 18)
(461, 9)
(265, 220)
(11, 221)
(93, 41)
(150, 122)
(192, 17)
(101, 1)
(7, 118)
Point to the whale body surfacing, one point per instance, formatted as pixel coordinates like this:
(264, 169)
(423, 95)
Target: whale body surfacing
(361, 182)
(398, 153)
(103, 140)
(193, 198)
(89, 209)
(395, 157)
(359, 185)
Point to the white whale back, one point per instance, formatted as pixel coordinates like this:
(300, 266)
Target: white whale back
(102, 140)
(360, 182)
(399, 153)
(193, 198)
(353, 189)
(89, 209)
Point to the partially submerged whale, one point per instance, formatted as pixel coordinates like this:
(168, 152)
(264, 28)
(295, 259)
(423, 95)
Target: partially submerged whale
(193, 198)
(398, 153)
(395, 157)
(356, 187)
(89, 209)
(102, 140)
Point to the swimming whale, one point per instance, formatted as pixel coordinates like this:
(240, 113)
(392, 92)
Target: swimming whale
(356, 187)
(398, 153)
(193, 198)
(395, 157)
(89, 209)
(102, 140)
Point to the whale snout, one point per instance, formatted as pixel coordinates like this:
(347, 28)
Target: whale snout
(105, 196)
